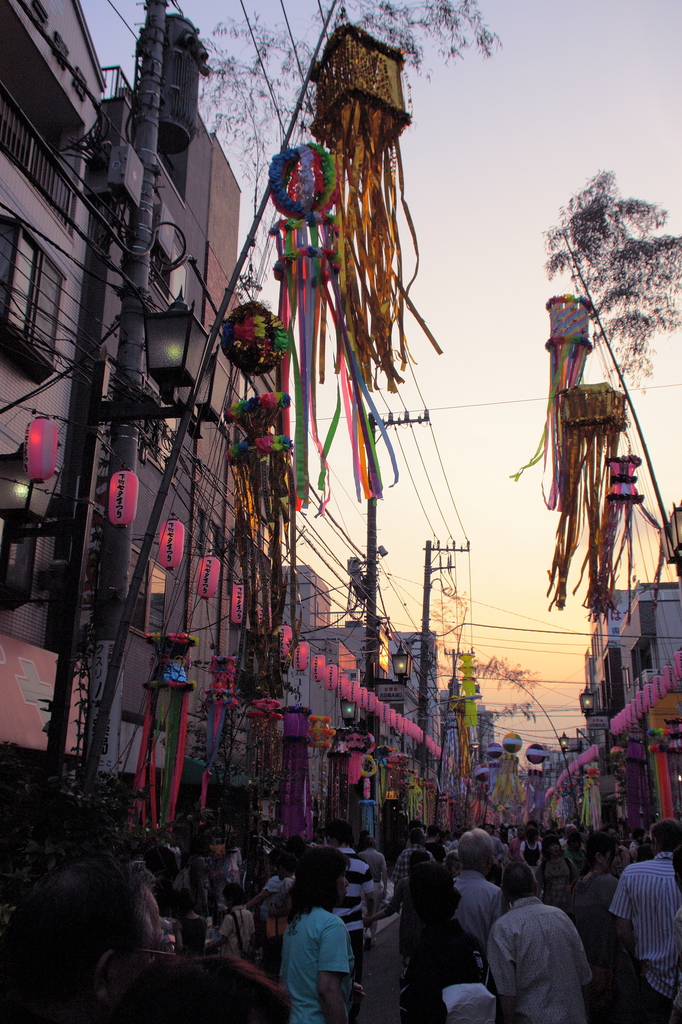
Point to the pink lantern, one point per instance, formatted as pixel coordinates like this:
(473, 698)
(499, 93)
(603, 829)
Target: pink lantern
(124, 488)
(668, 680)
(171, 543)
(362, 698)
(331, 677)
(648, 698)
(639, 703)
(353, 691)
(658, 685)
(301, 656)
(372, 702)
(40, 449)
(399, 723)
(344, 686)
(677, 666)
(237, 606)
(285, 635)
(392, 718)
(379, 709)
(319, 666)
(207, 576)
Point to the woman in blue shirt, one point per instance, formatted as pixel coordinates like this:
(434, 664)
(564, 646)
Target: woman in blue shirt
(317, 959)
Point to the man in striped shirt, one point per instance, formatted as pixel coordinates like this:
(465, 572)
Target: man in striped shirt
(645, 903)
(360, 883)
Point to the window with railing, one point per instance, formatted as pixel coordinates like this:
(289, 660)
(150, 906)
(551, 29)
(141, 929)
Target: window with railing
(25, 147)
(30, 290)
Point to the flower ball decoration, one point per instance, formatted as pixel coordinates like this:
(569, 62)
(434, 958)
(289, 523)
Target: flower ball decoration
(254, 339)
(512, 743)
(495, 751)
(536, 753)
(481, 773)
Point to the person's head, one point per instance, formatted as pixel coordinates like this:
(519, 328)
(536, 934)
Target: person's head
(551, 847)
(416, 837)
(638, 835)
(518, 881)
(286, 865)
(183, 903)
(666, 835)
(531, 834)
(234, 895)
(489, 827)
(433, 833)
(574, 841)
(320, 881)
(452, 863)
(297, 845)
(203, 990)
(644, 852)
(434, 896)
(600, 851)
(370, 843)
(418, 857)
(415, 823)
(79, 937)
(476, 851)
(339, 833)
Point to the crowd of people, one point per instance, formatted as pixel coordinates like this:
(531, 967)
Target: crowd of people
(497, 926)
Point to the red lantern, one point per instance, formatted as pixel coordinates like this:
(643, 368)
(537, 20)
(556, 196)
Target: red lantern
(285, 635)
(123, 492)
(344, 687)
(301, 656)
(371, 702)
(331, 677)
(392, 718)
(40, 449)
(319, 665)
(171, 543)
(207, 576)
(639, 703)
(237, 604)
(677, 665)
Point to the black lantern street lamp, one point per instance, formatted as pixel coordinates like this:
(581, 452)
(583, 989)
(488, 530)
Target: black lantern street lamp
(213, 388)
(21, 498)
(175, 346)
(347, 710)
(402, 664)
(564, 742)
(587, 702)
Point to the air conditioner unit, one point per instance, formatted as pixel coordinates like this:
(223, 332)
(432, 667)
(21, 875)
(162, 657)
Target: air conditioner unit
(646, 675)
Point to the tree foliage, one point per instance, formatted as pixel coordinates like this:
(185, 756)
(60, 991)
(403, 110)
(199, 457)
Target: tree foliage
(612, 247)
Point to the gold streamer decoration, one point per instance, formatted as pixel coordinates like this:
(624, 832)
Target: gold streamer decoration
(593, 417)
(360, 114)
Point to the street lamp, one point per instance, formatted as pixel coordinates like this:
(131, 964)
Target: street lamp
(213, 388)
(564, 742)
(402, 663)
(587, 701)
(175, 346)
(21, 498)
(347, 711)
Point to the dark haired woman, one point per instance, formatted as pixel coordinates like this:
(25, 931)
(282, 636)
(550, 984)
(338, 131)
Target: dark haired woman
(448, 972)
(317, 959)
(556, 876)
(614, 991)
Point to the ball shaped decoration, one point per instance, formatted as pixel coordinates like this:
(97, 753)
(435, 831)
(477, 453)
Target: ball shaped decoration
(512, 743)
(495, 751)
(481, 773)
(302, 180)
(536, 753)
(254, 339)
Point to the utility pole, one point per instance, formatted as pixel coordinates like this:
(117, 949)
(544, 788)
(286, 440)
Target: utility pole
(425, 646)
(116, 551)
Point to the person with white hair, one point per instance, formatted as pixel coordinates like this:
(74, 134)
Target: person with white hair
(482, 902)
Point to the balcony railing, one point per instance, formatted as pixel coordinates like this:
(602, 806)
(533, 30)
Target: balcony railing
(26, 148)
(116, 85)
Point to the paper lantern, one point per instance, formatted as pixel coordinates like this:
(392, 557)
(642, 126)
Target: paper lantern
(319, 665)
(512, 743)
(362, 698)
(237, 606)
(302, 656)
(392, 718)
(639, 704)
(371, 702)
(207, 576)
(536, 753)
(399, 722)
(668, 678)
(40, 449)
(344, 686)
(648, 699)
(380, 710)
(285, 635)
(171, 543)
(495, 751)
(124, 488)
(677, 666)
(331, 677)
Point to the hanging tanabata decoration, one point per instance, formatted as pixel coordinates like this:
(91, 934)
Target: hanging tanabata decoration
(165, 713)
(261, 471)
(658, 748)
(590, 812)
(321, 735)
(479, 805)
(508, 792)
(221, 696)
(569, 346)
(265, 714)
(535, 784)
(295, 797)
(593, 416)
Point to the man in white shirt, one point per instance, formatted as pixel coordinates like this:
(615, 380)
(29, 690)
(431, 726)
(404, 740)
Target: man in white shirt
(482, 902)
(377, 866)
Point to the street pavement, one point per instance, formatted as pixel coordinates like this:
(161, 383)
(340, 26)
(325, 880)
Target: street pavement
(380, 980)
